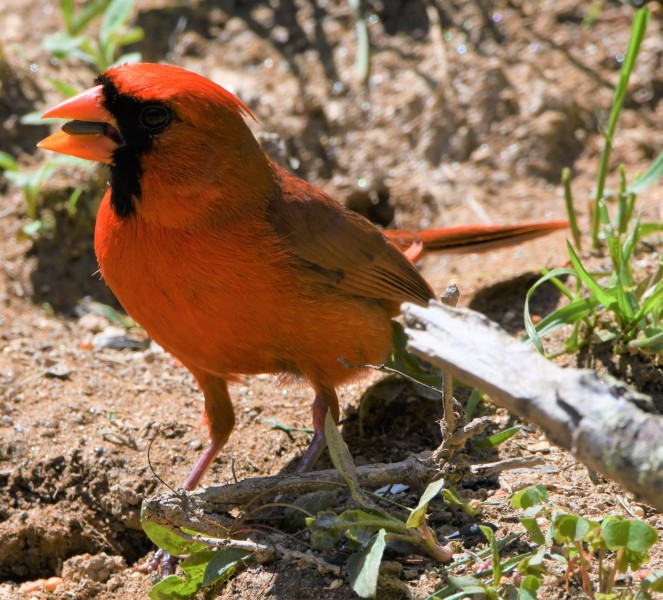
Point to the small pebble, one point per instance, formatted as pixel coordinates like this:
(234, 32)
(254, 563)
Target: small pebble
(59, 371)
(52, 583)
(334, 585)
(543, 447)
(93, 323)
(39, 585)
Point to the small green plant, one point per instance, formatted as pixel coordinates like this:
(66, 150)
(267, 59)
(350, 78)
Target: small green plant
(620, 305)
(31, 184)
(104, 51)
(73, 43)
(595, 553)
(365, 529)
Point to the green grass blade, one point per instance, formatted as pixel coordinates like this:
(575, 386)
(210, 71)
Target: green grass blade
(650, 176)
(472, 404)
(640, 22)
(646, 229)
(66, 90)
(530, 328)
(607, 299)
(652, 300)
(570, 209)
(652, 343)
(88, 12)
(498, 438)
(558, 282)
(567, 315)
(7, 162)
(114, 18)
(623, 216)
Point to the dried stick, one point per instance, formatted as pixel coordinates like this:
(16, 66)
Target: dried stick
(574, 408)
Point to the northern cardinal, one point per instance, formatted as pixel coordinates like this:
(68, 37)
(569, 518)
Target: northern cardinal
(229, 262)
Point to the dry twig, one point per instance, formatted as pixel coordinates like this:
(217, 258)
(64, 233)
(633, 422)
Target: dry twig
(575, 409)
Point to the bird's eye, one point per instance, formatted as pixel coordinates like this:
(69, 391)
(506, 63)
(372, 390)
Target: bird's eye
(154, 118)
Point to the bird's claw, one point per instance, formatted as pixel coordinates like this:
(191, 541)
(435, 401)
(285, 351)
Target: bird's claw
(162, 565)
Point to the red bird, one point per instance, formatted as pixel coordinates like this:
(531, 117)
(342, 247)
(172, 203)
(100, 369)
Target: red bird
(229, 262)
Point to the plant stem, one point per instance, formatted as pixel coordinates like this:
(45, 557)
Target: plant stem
(637, 34)
(570, 209)
(584, 570)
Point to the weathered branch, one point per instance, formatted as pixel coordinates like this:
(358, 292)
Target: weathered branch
(201, 511)
(574, 408)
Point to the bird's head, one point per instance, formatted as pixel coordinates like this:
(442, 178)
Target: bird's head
(176, 143)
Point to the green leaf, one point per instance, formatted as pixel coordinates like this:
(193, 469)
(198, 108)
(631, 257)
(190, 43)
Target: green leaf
(174, 587)
(495, 552)
(631, 534)
(604, 296)
(567, 315)
(532, 527)
(166, 539)
(470, 585)
(340, 455)
(529, 588)
(364, 566)
(7, 162)
(327, 528)
(497, 438)
(418, 513)
(88, 12)
(114, 18)
(135, 34)
(184, 588)
(533, 563)
(452, 497)
(67, 10)
(650, 176)
(278, 426)
(638, 29)
(652, 343)
(65, 89)
(646, 229)
(535, 333)
(405, 362)
(62, 44)
(530, 496)
(570, 528)
(72, 202)
(472, 403)
(34, 118)
(653, 298)
(223, 565)
(31, 230)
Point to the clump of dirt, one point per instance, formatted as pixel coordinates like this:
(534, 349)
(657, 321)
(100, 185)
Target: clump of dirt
(101, 511)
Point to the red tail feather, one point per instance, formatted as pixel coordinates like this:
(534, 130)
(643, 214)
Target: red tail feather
(468, 238)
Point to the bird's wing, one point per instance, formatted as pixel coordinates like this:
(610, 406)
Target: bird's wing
(332, 245)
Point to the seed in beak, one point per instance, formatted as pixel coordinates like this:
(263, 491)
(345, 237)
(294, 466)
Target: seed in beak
(93, 128)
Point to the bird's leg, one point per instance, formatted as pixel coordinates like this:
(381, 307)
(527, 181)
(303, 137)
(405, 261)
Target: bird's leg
(202, 465)
(220, 419)
(325, 399)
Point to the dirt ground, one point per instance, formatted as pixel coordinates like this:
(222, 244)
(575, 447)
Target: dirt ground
(469, 115)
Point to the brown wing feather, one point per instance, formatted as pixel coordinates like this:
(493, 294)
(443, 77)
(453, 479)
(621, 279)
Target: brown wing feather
(334, 246)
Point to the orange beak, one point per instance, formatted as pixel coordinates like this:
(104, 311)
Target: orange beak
(92, 134)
